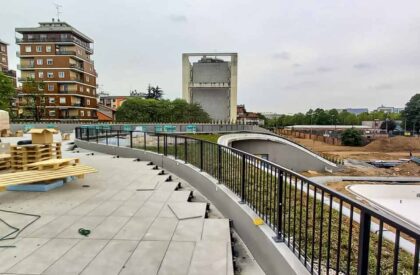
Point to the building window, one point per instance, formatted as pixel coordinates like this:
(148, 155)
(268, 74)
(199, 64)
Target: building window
(3, 59)
(88, 102)
(28, 49)
(88, 90)
(87, 78)
(49, 61)
(88, 113)
(51, 113)
(48, 48)
(42, 99)
(3, 48)
(50, 87)
(82, 113)
(62, 100)
(40, 74)
(61, 74)
(51, 100)
(81, 88)
(39, 62)
(50, 75)
(39, 49)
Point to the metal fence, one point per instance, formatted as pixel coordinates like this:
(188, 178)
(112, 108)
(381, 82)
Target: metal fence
(329, 232)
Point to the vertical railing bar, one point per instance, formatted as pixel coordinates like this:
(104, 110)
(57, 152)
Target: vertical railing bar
(340, 216)
(313, 230)
(118, 138)
(329, 234)
(416, 257)
(131, 139)
(294, 217)
(106, 137)
(289, 210)
(144, 141)
(379, 256)
(396, 252)
(278, 237)
(350, 239)
(306, 223)
(176, 147)
(320, 233)
(300, 218)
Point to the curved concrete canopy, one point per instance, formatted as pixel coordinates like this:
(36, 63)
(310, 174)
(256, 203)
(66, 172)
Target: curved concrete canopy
(279, 150)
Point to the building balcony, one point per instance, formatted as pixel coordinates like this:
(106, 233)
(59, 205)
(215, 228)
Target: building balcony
(26, 66)
(9, 73)
(209, 84)
(56, 40)
(66, 53)
(76, 66)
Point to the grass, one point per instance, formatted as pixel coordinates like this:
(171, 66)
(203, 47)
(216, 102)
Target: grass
(305, 219)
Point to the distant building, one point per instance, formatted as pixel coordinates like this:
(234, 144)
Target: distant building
(211, 82)
(113, 102)
(4, 62)
(270, 115)
(248, 118)
(58, 55)
(389, 110)
(355, 111)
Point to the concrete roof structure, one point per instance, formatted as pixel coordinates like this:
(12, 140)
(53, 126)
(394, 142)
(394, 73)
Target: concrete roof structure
(140, 224)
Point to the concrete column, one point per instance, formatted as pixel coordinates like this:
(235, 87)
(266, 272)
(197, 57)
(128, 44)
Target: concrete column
(233, 86)
(186, 72)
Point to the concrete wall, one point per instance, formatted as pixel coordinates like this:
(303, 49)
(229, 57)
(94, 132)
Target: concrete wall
(69, 127)
(210, 72)
(279, 150)
(215, 101)
(274, 258)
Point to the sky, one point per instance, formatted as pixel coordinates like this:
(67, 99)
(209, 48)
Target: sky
(292, 55)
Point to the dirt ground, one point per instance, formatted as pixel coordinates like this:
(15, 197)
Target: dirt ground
(381, 149)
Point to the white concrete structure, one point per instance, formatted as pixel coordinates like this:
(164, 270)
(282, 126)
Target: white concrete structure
(212, 82)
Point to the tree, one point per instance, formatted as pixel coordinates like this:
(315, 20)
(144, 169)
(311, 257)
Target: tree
(389, 125)
(411, 113)
(351, 137)
(152, 110)
(7, 92)
(34, 99)
(153, 93)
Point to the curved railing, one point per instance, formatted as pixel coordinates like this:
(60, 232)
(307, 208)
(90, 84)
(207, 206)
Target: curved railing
(329, 232)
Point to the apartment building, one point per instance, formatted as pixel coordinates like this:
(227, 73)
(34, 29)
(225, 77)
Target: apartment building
(4, 62)
(58, 56)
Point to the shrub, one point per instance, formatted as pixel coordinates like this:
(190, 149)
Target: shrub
(352, 137)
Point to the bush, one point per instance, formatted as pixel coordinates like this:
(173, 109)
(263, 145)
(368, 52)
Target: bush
(352, 137)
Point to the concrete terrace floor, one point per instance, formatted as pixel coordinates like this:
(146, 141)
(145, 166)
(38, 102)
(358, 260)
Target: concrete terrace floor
(140, 225)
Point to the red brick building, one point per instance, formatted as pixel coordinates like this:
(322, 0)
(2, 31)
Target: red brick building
(4, 62)
(59, 56)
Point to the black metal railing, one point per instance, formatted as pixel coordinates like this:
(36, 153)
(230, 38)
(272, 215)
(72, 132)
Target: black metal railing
(329, 232)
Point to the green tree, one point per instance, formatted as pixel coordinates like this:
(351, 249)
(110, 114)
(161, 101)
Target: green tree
(152, 110)
(351, 137)
(411, 113)
(153, 93)
(33, 102)
(389, 125)
(7, 92)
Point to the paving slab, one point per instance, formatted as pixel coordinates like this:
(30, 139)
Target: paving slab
(24, 247)
(88, 222)
(146, 186)
(106, 208)
(188, 210)
(216, 230)
(179, 196)
(43, 257)
(189, 230)
(128, 209)
(177, 258)
(161, 195)
(77, 258)
(209, 258)
(135, 228)
(55, 227)
(111, 259)
(146, 259)
(150, 209)
(162, 229)
(108, 228)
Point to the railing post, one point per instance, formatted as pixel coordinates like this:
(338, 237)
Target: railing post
(118, 138)
(131, 139)
(158, 144)
(106, 137)
(165, 145)
(201, 155)
(144, 141)
(278, 237)
(176, 147)
(219, 162)
(185, 149)
(364, 236)
(87, 134)
(97, 135)
(243, 179)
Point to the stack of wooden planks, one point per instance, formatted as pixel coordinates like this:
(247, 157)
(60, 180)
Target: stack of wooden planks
(4, 161)
(22, 155)
(52, 164)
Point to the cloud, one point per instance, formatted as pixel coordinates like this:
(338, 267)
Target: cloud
(281, 55)
(178, 18)
(383, 86)
(363, 66)
(323, 69)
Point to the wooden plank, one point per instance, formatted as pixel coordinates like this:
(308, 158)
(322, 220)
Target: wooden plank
(52, 163)
(44, 175)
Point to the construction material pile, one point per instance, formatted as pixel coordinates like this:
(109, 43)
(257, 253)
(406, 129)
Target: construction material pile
(394, 144)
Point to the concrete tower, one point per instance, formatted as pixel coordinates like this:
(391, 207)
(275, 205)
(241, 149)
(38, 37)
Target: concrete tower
(211, 81)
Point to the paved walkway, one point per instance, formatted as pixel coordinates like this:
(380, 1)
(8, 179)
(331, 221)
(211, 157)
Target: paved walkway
(140, 225)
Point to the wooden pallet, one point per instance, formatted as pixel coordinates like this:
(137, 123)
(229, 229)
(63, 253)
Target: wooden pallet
(51, 164)
(5, 162)
(22, 155)
(26, 177)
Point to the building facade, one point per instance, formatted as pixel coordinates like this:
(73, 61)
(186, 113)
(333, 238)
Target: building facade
(58, 56)
(389, 110)
(4, 62)
(248, 118)
(211, 81)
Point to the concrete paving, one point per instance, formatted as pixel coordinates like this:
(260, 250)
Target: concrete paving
(139, 224)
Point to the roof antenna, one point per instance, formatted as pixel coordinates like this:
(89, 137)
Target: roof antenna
(57, 7)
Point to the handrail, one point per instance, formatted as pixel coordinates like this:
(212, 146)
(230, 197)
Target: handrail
(324, 228)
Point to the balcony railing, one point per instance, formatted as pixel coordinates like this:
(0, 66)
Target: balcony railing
(56, 40)
(25, 66)
(329, 232)
(76, 66)
(66, 52)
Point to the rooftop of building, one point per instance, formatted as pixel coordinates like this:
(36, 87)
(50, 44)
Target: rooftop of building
(4, 43)
(54, 26)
